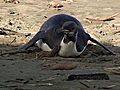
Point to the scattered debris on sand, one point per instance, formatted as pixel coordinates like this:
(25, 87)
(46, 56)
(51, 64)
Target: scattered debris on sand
(113, 70)
(55, 4)
(59, 3)
(107, 18)
(12, 1)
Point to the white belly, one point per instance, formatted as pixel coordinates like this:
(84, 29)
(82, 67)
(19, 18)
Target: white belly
(68, 50)
(43, 46)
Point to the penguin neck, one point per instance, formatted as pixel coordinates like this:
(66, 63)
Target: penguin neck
(68, 49)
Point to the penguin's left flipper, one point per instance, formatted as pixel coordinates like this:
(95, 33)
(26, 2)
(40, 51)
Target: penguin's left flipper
(95, 41)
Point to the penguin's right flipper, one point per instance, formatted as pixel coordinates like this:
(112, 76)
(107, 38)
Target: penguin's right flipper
(95, 41)
(39, 35)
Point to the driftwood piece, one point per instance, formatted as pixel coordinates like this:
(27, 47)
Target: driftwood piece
(107, 18)
(18, 85)
(64, 66)
(40, 84)
(107, 87)
(19, 81)
(91, 76)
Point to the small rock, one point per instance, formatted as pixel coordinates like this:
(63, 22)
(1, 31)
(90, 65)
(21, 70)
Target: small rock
(19, 27)
(16, 2)
(3, 65)
(55, 4)
(45, 16)
(12, 1)
(102, 33)
(11, 22)
(67, 1)
(28, 34)
(13, 13)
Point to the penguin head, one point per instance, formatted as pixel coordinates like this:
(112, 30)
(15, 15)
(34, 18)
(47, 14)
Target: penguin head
(70, 31)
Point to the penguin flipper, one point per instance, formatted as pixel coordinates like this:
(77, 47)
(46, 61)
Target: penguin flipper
(38, 36)
(95, 41)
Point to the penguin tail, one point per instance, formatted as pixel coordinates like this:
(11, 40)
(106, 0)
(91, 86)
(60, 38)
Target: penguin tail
(95, 41)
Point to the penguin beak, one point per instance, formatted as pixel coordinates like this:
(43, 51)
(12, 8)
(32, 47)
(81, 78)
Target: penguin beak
(65, 31)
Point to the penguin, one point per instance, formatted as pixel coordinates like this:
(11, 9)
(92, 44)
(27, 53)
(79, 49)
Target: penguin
(64, 35)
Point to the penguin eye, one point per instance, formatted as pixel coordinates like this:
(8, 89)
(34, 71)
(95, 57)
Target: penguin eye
(72, 30)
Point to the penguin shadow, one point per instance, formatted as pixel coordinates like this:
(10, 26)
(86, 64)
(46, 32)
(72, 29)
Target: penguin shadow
(91, 51)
